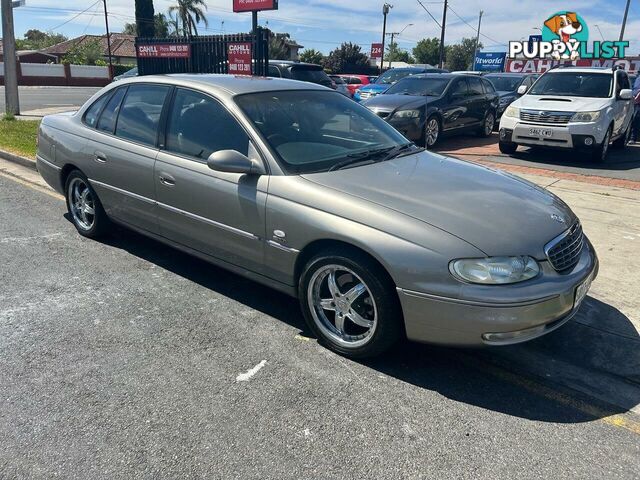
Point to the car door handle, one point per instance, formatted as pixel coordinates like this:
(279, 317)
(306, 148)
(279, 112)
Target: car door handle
(100, 157)
(167, 180)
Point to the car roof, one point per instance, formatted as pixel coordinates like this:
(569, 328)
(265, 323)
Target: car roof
(439, 75)
(509, 74)
(228, 84)
(293, 63)
(603, 70)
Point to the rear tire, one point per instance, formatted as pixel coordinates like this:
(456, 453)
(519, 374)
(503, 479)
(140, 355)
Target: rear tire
(488, 125)
(84, 206)
(349, 303)
(599, 153)
(507, 147)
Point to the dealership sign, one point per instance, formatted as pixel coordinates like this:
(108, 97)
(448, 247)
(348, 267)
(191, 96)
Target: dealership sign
(524, 65)
(164, 50)
(489, 61)
(376, 50)
(254, 5)
(239, 56)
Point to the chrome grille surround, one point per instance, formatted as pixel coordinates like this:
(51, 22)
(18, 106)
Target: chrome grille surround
(564, 251)
(546, 117)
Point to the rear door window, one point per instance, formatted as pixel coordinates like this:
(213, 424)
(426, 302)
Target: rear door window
(91, 117)
(140, 113)
(314, 75)
(488, 86)
(475, 86)
(107, 121)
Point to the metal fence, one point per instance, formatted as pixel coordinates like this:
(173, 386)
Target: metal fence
(208, 54)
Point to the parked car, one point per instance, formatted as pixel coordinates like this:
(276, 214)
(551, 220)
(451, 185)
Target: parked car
(468, 72)
(306, 72)
(372, 78)
(299, 188)
(128, 74)
(341, 85)
(571, 108)
(387, 79)
(507, 84)
(427, 106)
(354, 82)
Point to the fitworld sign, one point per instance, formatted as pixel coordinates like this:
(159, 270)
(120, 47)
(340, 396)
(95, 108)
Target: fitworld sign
(254, 5)
(490, 61)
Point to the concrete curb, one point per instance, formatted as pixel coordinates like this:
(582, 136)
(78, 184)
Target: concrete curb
(24, 161)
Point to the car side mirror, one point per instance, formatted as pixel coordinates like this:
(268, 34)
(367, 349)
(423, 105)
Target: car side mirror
(522, 89)
(232, 161)
(625, 94)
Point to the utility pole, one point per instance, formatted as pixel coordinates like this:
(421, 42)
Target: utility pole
(12, 99)
(106, 23)
(444, 24)
(473, 65)
(392, 35)
(624, 20)
(385, 11)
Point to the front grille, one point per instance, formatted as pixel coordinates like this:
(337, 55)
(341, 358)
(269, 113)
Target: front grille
(564, 251)
(543, 116)
(365, 95)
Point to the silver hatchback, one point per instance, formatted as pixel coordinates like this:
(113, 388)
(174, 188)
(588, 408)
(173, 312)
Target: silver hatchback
(299, 188)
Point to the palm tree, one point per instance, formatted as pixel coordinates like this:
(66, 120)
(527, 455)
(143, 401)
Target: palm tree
(190, 13)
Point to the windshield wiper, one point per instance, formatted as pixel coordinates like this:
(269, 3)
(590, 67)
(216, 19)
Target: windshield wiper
(354, 158)
(400, 151)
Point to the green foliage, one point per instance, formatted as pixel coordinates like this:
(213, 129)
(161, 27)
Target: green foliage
(277, 46)
(35, 39)
(161, 26)
(8, 117)
(189, 13)
(427, 51)
(145, 18)
(85, 53)
(19, 136)
(348, 58)
(310, 55)
(460, 56)
(395, 54)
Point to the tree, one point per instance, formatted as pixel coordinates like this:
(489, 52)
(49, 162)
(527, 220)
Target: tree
(144, 18)
(310, 55)
(160, 26)
(460, 56)
(394, 54)
(35, 40)
(427, 51)
(278, 46)
(348, 58)
(85, 53)
(190, 13)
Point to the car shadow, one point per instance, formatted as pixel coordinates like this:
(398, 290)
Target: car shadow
(480, 377)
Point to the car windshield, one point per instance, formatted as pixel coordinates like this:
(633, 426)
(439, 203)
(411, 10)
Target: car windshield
(393, 75)
(574, 84)
(316, 131)
(505, 83)
(432, 86)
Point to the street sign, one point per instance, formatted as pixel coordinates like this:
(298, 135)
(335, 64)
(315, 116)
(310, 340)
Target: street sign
(376, 50)
(239, 56)
(254, 5)
(489, 61)
(164, 50)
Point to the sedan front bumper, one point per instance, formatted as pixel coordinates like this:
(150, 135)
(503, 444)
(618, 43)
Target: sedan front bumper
(459, 322)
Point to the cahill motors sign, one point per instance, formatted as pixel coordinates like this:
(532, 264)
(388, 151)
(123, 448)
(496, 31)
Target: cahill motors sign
(565, 36)
(164, 50)
(254, 5)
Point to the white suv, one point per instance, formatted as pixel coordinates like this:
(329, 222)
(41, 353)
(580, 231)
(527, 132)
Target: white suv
(571, 108)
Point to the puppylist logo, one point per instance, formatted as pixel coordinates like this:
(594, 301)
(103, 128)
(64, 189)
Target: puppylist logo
(565, 36)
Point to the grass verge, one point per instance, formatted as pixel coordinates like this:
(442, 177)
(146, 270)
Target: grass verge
(19, 136)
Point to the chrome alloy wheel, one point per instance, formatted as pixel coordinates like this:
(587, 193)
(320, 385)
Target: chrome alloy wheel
(342, 306)
(432, 132)
(489, 123)
(82, 204)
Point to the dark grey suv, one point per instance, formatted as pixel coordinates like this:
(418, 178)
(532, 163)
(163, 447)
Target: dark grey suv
(305, 72)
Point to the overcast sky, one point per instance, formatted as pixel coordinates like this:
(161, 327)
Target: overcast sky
(324, 24)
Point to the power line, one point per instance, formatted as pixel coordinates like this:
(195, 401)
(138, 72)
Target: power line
(496, 42)
(76, 16)
(432, 17)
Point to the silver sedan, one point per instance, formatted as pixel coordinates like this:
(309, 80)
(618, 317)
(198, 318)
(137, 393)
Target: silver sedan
(299, 188)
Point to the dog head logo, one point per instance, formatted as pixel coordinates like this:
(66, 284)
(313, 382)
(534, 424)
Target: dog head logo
(568, 28)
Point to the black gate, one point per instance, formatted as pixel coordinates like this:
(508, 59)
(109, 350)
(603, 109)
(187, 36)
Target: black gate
(206, 54)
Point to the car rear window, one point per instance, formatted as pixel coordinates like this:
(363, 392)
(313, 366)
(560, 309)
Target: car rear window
(140, 113)
(107, 121)
(310, 74)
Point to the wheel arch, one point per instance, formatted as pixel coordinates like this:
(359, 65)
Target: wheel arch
(64, 174)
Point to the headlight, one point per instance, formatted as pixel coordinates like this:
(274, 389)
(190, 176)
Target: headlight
(407, 114)
(495, 270)
(513, 112)
(585, 117)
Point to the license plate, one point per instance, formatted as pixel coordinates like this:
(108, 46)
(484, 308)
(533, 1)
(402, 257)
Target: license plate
(581, 291)
(540, 132)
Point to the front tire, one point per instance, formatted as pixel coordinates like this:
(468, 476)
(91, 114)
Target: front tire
(599, 153)
(84, 206)
(507, 148)
(487, 125)
(622, 142)
(432, 132)
(350, 304)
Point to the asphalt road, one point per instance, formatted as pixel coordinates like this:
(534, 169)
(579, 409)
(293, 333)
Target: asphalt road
(38, 98)
(121, 359)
